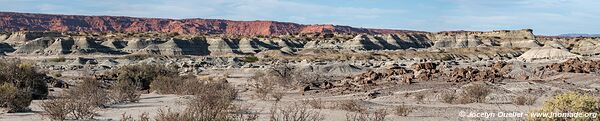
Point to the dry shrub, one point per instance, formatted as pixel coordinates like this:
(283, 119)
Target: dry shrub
(294, 112)
(172, 116)
(569, 102)
(378, 115)
(80, 102)
(475, 93)
(448, 98)
(143, 117)
(290, 77)
(315, 103)
(402, 110)
(277, 96)
(212, 101)
(283, 75)
(14, 99)
(92, 91)
(351, 105)
(263, 86)
(419, 98)
(56, 109)
(524, 100)
(142, 75)
(20, 83)
(245, 113)
(123, 91)
(173, 84)
(58, 59)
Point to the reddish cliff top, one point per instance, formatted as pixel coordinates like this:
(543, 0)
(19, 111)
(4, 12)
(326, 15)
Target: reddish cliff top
(10, 22)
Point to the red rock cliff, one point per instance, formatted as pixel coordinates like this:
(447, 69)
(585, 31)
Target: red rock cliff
(10, 22)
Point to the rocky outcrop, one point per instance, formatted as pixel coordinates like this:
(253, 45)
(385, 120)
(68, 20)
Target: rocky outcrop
(547, 52)
(506, 38)
(575, 65)
(11, 22)
(22, 37)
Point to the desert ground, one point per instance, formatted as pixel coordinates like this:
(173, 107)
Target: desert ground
(375, 75)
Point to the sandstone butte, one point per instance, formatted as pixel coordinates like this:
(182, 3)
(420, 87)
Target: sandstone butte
(11, 22)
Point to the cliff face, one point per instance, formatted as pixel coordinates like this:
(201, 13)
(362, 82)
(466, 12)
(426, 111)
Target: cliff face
(11, 22)
(506, 38)
(49, 43)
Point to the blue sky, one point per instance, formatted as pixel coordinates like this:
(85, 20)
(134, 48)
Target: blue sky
(548, 17)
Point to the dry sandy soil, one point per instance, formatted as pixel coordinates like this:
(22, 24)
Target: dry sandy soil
(431, 108)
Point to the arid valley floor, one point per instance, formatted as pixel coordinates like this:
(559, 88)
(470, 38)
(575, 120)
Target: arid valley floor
(332, 76)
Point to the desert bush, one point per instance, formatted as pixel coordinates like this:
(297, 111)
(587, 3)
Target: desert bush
(402, 110)
(250, 59)
(25, 78)
(58, 59)
(168, 85)
(245, 113)
(91, 91)
(283, 74)
(419, 98)
(287, 77)
(142, 75)
(448, 98)
(315, 103)
(123, 91)
(143, 117)
(56, 109)
(20, 83)
(14, 99)
(277, 96)
(524, 100)
(475, 93)
(294, 112)
(57, 74)
(351, 105)
(377, 115)
(569, 102)
(79, 103)
(212, 101)
(263, 85)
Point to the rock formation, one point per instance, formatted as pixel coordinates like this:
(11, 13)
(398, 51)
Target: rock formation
(12, 22)
(547, 52)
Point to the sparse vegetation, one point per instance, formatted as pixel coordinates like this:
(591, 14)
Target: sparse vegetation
(212, 101)
(419, 98)
(402, 110)
(294, 112)
(123, 91)
(79, 103)
(315, 103)
(58, 59)
(143, 117)
(475, 93)
(250, 59)
(351, 105)
(263, 86)
(283, 76)
(56, 109)
(448, 98)
(524, 100)
(569, 102)
(14, 99)
(20, 83)
(277, 96)
(57, 74)
(142, 75)
(168, 85)
(377, 115)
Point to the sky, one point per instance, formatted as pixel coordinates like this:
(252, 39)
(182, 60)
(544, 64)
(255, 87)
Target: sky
(545, 17)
